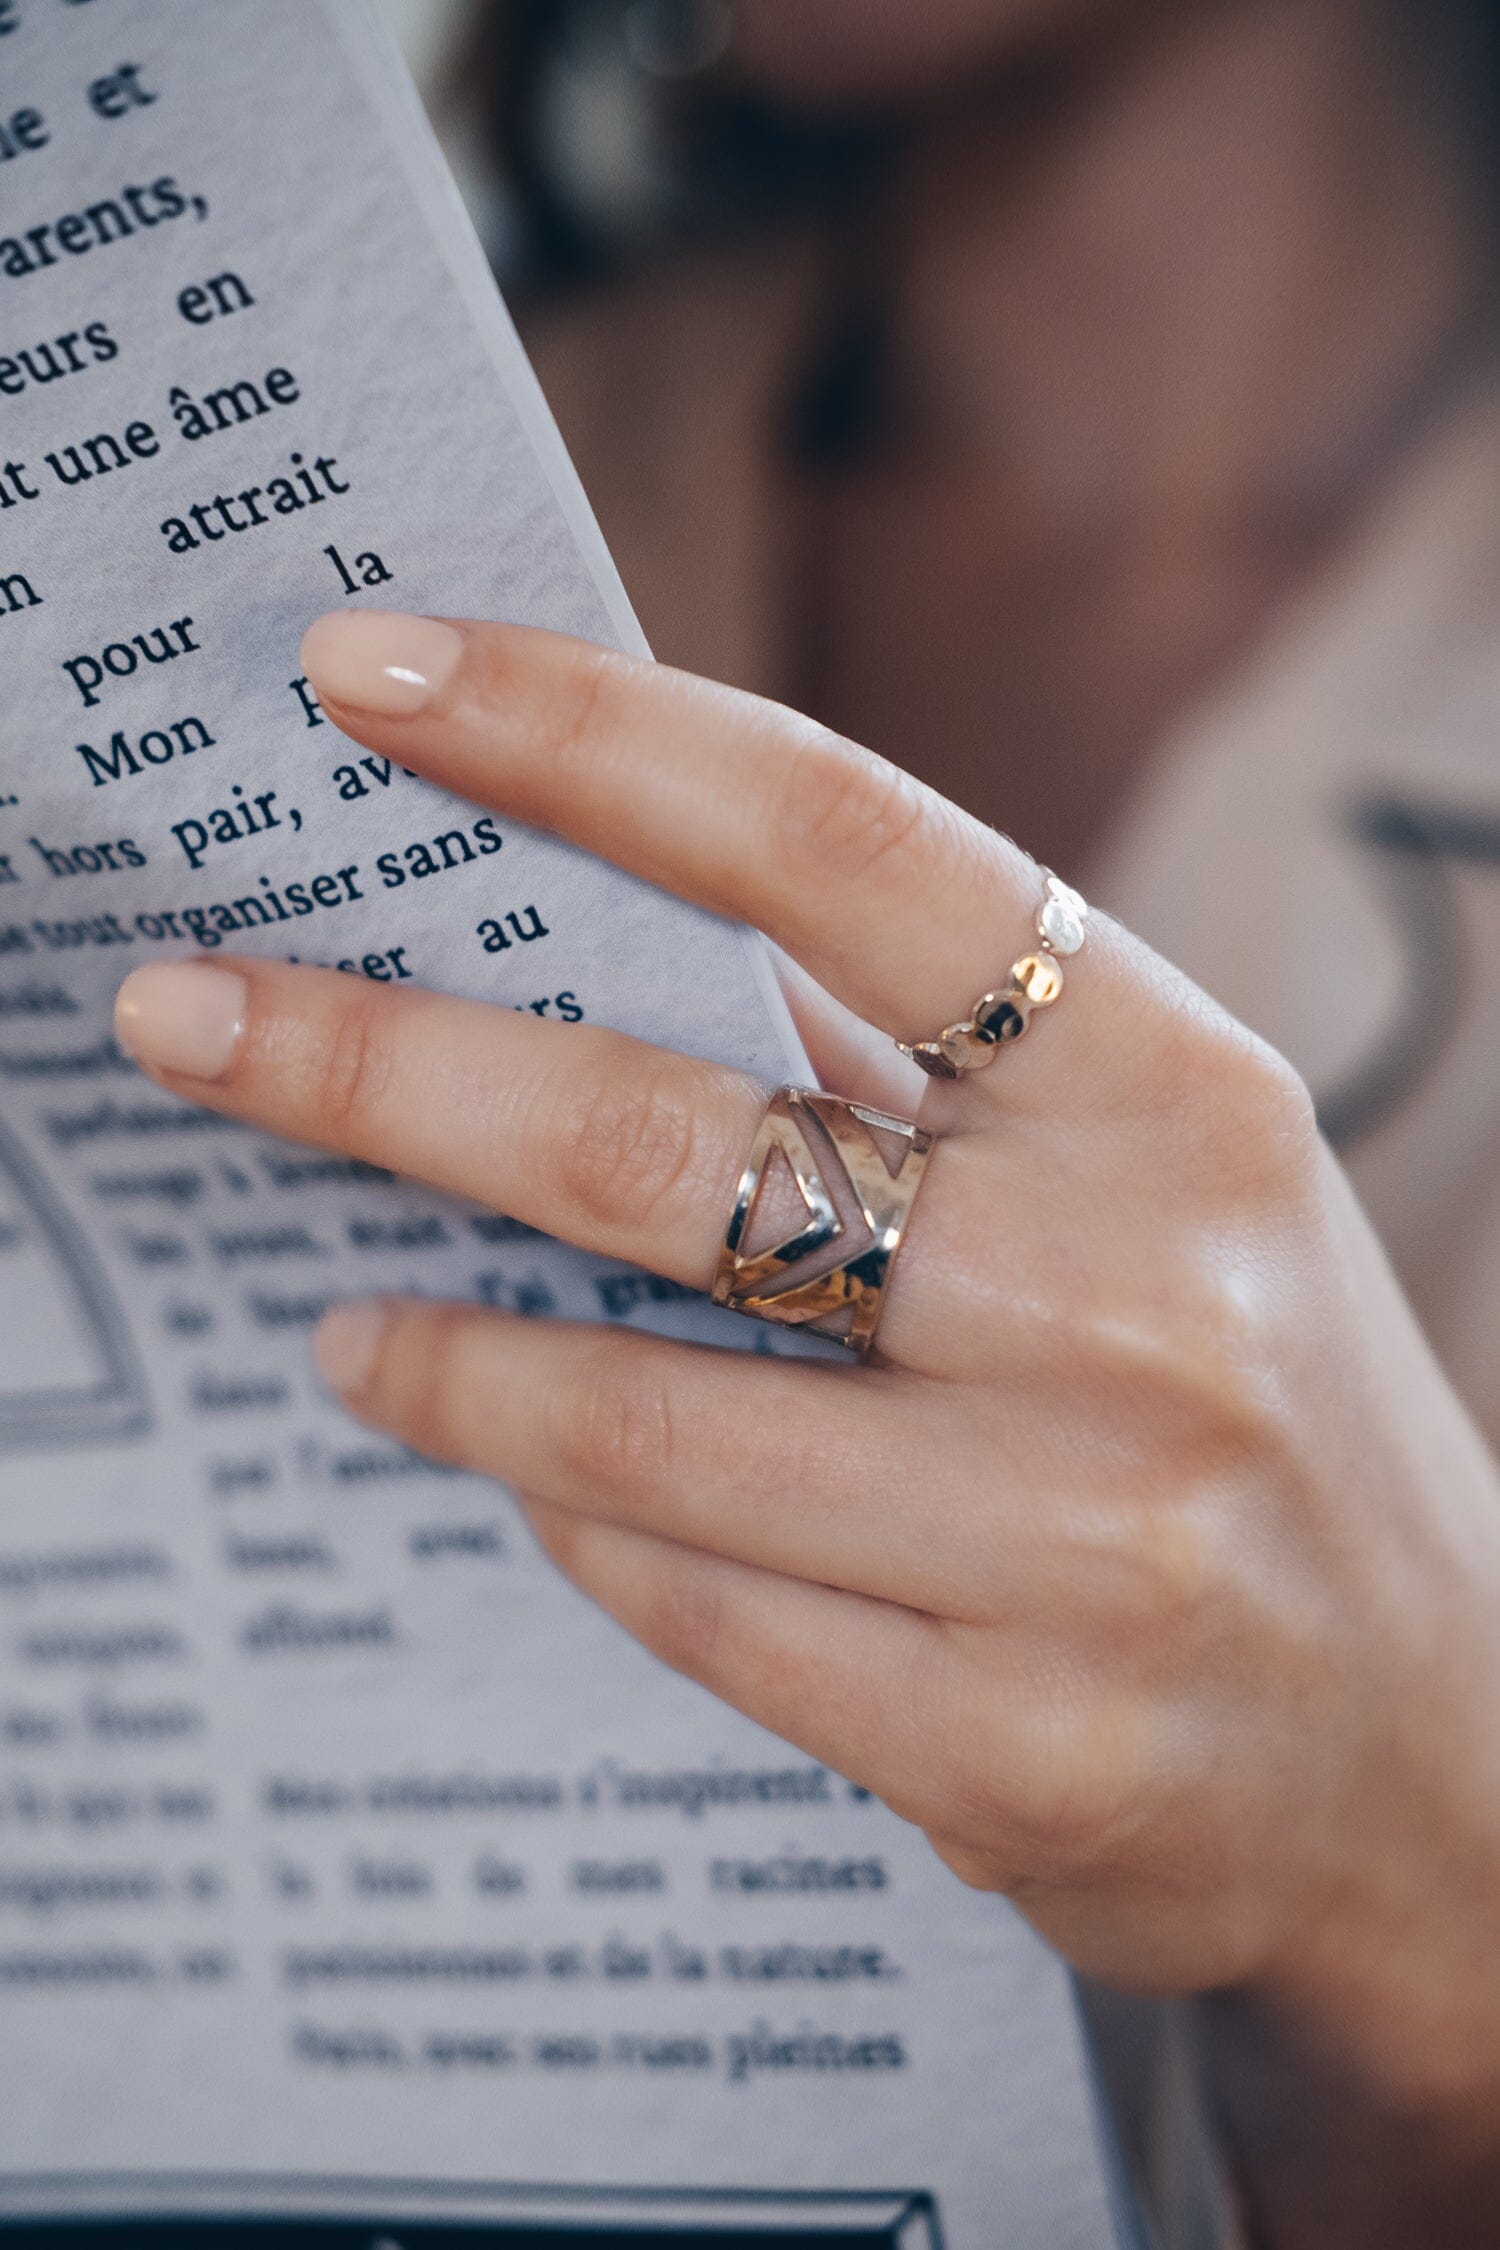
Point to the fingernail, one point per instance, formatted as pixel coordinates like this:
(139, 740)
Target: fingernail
(183, 1016)
(374, 660)
(346, 1343)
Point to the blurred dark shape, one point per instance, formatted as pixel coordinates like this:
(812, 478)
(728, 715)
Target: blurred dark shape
(624, 141)
(997, 418)
(624, 137)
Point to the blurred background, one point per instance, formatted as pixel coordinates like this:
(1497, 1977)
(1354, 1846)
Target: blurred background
(1094, 405)
(981, 372)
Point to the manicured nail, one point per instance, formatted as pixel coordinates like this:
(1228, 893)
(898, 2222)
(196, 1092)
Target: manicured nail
(346, 1343)
(183, 1016)
(374, 660)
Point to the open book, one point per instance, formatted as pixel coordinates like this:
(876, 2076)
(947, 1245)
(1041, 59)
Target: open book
(355, 1875)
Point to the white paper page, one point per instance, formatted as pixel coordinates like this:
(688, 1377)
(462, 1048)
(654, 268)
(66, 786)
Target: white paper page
(352, 1869)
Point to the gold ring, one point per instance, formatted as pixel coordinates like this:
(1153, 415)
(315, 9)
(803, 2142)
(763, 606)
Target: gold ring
(856, 1172)
(998, 1019)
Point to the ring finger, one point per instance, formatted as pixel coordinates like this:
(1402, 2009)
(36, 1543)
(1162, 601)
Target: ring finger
(783, 1466)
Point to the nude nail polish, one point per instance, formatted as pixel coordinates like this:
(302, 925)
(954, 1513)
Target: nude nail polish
(184, 1017)
(377, 661)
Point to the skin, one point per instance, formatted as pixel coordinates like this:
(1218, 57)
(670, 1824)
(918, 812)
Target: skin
(1151, 1568)
(863, 49)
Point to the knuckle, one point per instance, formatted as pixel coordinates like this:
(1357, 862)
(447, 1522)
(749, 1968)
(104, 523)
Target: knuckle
(1226, 1390)
(845, 805)
(970, 1770)
(1042, 1766)
(561, 1536)
(628, 1150)
(419, 1368)
(974, 1781)
(1194, 1372)
(976, 1869)
(1239, 1113)
(1078, 1796)
(588, 698)
(355, 1071)
(1207, 1345)
(1171, 1561)
(615, 1431)
(1280, 1149)
(688, 1619)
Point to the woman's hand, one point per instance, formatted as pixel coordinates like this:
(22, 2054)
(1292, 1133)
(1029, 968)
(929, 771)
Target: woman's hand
(1152, 1569)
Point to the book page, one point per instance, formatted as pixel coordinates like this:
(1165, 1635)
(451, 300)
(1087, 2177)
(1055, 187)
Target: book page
(355, 1873)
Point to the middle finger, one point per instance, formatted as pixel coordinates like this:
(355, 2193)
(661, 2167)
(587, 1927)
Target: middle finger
(628, 1150)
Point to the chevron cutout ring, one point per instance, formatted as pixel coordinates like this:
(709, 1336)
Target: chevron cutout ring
(822, 1205)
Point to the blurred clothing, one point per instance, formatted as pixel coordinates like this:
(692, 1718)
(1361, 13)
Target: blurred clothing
(1319, 845)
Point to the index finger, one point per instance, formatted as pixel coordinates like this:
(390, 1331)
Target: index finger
(900, 904)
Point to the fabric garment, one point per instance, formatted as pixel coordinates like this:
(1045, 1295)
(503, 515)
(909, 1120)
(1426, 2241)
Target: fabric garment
(1319, 846)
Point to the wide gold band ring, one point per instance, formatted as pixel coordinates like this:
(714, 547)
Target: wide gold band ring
(826, 1267)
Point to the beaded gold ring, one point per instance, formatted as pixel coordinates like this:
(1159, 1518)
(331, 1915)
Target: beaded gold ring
(998, 1019)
